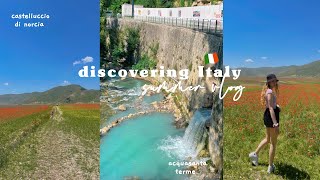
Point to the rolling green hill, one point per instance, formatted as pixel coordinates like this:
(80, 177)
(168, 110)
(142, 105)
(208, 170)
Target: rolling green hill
(307, 70)
(60, 94)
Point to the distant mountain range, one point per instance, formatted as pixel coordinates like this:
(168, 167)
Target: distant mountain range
(307, 70)
(60, 94)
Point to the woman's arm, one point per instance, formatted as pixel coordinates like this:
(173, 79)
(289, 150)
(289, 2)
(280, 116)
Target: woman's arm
(273, 115)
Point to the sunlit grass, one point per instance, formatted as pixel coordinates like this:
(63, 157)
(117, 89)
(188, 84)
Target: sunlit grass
(82, 122)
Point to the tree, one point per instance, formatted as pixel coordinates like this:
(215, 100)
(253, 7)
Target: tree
(133, 43)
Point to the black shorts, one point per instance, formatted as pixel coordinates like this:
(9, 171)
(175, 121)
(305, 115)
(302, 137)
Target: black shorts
(267, 117)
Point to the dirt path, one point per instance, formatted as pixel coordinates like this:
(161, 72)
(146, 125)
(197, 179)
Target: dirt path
(56, 113)
(62, 155)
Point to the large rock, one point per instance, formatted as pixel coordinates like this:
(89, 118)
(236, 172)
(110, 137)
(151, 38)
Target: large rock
(122, 107)
(155, 105)
(203, 141)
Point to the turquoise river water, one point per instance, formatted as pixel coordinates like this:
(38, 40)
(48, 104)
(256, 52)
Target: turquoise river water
(142, 146)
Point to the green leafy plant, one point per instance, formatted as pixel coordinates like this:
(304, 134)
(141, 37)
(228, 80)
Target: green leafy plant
(133, 44)
(145, 63)
(182, 3)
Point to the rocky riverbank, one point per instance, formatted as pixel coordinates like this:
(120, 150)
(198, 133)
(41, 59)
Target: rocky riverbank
(170, 103)
(167, 105)
(175, 102)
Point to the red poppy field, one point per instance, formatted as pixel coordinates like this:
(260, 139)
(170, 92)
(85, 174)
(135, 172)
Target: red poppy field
(298, 148)
(12, 112)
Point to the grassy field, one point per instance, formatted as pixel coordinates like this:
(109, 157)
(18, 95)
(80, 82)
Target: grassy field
(35, 146)
(298, 149)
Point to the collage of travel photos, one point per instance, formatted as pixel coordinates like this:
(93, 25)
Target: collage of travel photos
(159, 90)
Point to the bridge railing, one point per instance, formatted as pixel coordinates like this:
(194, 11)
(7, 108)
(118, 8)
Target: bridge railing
(212, 26)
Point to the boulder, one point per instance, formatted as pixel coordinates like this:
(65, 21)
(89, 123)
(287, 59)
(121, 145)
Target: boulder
(122, 107)
(203, 153)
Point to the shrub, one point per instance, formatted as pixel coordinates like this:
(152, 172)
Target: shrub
(145, 63)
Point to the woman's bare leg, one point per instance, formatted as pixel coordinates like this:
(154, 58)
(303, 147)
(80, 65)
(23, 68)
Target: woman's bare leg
(273, 144)
(264, 142)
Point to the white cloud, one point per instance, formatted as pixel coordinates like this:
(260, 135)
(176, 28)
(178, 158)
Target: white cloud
(87, 59)
(65, 82)
(248, 61)
(264, 57)
(76, 62)
(6, 84)
(318, 50)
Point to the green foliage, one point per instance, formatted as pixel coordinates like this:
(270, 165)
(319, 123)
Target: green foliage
(118, 53)
(190, 67)
(182, 3)
(103, 44)
(145, 63)
(115, 5)
(110, 45)
(148, 61)
(215, 1)
(133, 44)
(123, 46)
(148, 3)
(167, 3)
(189, 3)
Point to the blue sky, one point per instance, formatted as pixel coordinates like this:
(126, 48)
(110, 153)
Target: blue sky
(264, 33)
(37, 59)
(271, 33)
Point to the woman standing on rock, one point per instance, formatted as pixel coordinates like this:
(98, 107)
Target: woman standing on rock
(269, 95)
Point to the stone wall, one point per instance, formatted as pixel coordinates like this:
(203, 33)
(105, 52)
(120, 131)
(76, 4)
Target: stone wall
(180, 48)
